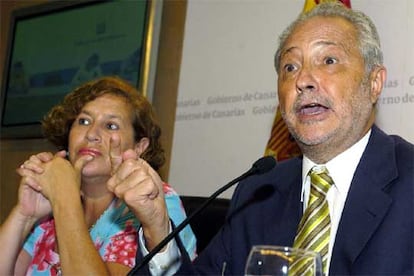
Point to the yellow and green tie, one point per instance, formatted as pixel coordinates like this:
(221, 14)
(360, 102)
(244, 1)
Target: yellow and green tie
(314, 227)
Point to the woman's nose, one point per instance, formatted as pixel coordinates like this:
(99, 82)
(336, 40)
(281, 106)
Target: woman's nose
(93, 135)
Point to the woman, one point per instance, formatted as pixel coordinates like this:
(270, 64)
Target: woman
(70, 217)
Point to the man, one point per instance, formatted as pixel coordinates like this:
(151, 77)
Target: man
(330, 76)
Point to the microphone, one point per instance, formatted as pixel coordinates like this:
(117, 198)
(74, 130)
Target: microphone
(261, 166)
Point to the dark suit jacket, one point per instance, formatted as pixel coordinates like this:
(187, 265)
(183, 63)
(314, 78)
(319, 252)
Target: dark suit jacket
(375, 234)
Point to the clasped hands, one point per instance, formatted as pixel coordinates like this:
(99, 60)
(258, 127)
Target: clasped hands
(47, 176)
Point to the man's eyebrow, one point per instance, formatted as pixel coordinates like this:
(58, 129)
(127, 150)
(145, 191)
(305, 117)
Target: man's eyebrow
(325, 42)
(317, 43)
(288, 50)
(342, 46)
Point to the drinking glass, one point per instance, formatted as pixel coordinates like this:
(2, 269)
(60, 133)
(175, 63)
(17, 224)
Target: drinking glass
(282, 260)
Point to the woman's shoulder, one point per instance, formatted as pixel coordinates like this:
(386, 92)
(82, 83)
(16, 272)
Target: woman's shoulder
(168, 190)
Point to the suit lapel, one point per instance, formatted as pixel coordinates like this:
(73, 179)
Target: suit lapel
(367, 201)
(284, 211)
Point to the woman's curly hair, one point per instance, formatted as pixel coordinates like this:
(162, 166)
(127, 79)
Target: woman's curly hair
(58, 122)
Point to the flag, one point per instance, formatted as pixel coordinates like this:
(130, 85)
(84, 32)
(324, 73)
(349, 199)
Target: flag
(281, 144)
(310, 4)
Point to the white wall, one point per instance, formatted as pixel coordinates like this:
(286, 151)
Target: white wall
(228, 56)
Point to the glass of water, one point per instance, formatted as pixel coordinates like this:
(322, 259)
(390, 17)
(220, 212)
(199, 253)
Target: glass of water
(282, 260)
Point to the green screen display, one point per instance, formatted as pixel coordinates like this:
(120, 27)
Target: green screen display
(53, 52)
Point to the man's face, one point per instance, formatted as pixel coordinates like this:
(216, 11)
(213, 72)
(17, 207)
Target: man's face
(324, 94)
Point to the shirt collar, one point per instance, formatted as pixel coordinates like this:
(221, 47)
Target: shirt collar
(342, 167)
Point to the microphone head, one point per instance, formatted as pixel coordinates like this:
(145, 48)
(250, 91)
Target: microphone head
(263, 165)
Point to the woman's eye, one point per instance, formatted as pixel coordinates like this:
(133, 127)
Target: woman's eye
(330, 60)
(83, 121)
(112, 126)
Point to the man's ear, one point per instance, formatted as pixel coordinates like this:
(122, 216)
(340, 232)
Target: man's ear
(378, 78)
(141, 146)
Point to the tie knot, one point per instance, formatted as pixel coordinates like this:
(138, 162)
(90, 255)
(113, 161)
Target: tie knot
(320, 179)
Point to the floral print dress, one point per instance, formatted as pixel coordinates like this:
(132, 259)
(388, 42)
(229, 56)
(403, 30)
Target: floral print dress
(114, 236)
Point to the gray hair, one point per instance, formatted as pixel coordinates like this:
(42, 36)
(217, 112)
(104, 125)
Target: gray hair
(368, 38)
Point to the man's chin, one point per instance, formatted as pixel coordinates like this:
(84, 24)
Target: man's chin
(312, 139)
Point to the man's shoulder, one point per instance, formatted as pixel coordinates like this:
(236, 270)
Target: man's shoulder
(402, 147)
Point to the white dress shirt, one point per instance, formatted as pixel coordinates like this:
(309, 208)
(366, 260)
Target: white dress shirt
(164, 263)
(341, 169)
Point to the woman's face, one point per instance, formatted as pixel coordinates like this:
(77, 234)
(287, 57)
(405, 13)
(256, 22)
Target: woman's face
(91, 133)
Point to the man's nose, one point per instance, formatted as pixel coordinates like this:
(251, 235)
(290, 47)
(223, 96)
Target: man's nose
(306, 81)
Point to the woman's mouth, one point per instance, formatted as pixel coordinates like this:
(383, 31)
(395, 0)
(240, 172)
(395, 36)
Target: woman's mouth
(89, 151)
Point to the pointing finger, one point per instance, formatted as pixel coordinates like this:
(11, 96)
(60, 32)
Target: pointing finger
(115, 153)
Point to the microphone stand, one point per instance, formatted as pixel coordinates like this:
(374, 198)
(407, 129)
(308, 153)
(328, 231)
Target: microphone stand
(262, 165)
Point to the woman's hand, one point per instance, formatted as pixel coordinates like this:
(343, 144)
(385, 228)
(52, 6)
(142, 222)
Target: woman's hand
(32, 203)
(45, 177)
(138, 184)
(60, 178)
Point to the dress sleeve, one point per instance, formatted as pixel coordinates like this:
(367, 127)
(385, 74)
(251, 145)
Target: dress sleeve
(33, 240)
(29, 243)
(177, 215)
(121, 247)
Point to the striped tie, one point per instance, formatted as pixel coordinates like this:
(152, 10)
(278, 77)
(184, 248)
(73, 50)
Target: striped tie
(314, 227)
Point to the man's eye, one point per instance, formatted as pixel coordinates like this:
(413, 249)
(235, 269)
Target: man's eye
(83, 121)
(289, 67)
(330, 60)
(112, 126)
